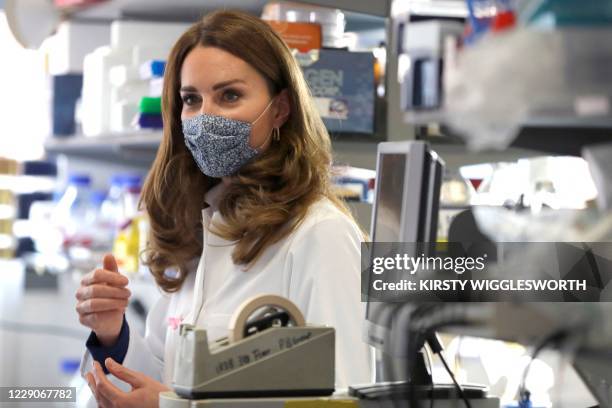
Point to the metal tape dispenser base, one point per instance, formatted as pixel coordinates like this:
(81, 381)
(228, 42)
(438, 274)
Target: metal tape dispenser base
(270, 353)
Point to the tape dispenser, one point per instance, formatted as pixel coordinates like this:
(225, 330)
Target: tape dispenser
(270, 352)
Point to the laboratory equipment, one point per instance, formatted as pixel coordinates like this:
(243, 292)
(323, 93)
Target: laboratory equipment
(407, 191)
(31, 21)
(584, 329)
(129, 239)
(270, 352)
(343, 87)
(405, 210)
(421, 65)
(598, 158)
(72, 210)
(332, 21)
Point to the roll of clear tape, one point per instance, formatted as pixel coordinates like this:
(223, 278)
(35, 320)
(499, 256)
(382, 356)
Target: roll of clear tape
(240, 318)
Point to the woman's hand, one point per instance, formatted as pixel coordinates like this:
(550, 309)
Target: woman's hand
(102, 300)
(144, 394)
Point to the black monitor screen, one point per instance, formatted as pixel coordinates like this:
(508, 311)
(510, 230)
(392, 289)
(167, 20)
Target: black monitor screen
(387, 219)
(389, 194)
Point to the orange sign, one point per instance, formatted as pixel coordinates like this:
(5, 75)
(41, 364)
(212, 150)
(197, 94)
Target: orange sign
(302, 36)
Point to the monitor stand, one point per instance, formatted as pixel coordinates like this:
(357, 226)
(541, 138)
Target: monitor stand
(419, 390)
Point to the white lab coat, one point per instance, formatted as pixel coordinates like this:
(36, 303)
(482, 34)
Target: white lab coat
(317, 267)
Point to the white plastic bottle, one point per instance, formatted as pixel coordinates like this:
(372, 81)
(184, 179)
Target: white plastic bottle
(112, 206)
(74, 217)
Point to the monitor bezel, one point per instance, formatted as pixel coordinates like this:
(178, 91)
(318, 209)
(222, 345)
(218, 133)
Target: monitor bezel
(415, 152)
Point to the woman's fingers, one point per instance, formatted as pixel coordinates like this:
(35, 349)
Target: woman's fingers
(102, 291)
(100, 305)
(134, 378)
(106, 389)
(98, 322)
(93, 320)
(102, 299)
(101, 400)
(92, 384)
(104, 276)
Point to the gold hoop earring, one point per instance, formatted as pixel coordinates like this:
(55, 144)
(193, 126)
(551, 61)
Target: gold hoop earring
(276, 134)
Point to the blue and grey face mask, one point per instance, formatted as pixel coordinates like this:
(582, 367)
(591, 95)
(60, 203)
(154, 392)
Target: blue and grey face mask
(220, 145)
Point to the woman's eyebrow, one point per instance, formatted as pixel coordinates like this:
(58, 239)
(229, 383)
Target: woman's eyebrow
(188, 89)
(218, 85)
(226, 83)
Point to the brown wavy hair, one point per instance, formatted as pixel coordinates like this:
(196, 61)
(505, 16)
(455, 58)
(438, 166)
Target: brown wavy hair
(269, 197)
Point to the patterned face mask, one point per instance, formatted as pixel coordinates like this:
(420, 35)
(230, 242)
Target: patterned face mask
(220, 145)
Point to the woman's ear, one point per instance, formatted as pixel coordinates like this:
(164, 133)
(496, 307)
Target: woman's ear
(283, 109)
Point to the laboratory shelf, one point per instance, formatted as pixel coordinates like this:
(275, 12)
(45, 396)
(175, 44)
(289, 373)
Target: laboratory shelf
(355, 149)
(559, 136)
(137, 148)
(452, 9)
(109, 142)
(563, 134)
(564, 119)
(557, 103)
(190, 10)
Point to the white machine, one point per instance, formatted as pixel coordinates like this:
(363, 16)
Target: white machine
(270, 355)
(408, 180)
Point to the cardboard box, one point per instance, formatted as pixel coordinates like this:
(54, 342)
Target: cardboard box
(343, 87)
(301, 36)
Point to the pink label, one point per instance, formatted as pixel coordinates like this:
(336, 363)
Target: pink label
(175, 322)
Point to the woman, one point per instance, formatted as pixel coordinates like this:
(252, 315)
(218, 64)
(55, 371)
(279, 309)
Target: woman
(242, 140)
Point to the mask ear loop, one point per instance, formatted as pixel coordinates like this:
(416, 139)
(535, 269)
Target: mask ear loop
(277, 135)
(264, 111)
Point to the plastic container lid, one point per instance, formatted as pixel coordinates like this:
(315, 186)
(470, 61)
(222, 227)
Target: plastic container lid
(153, 69)
(122, 179)
(117, 179)
(39, 168)
(134, 189)
(79, 179)
(150, 105)
(70, 366)
(130, 181)
(503, 21)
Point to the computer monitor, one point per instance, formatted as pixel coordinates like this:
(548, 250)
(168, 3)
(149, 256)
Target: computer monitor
(406, 201)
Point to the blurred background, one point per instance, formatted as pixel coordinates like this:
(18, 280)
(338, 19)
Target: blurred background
(514, 96)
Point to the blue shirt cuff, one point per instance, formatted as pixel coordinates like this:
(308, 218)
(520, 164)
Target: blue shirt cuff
(117, 351)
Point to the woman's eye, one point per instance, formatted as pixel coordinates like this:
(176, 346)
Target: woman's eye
(230, 96)
(190, 100)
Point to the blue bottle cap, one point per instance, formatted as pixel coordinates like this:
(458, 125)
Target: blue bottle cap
(97, 197)
(79, 179)
(69, 365)
(132, 180)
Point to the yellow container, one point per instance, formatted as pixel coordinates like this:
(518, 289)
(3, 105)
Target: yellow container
(127, 246)
(8, 166)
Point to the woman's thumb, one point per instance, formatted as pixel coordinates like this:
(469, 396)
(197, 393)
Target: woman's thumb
(110, 264)
(123, 373)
